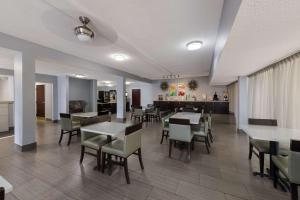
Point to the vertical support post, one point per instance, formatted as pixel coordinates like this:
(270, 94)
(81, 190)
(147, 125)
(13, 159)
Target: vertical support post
(94, 95)
(24, 77)
(63, 94)
(242, 101)
(121, 98)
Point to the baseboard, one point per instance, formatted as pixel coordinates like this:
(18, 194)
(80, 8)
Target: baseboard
(27, 147)
(240, 131)
(55, 121)
(121, 119)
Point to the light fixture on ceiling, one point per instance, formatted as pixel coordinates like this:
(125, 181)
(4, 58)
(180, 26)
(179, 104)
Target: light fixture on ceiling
(109, 85)
(83, 32)
(194, 45)
(119, 57)
(79, 75)
(128, 82)
(107, 82)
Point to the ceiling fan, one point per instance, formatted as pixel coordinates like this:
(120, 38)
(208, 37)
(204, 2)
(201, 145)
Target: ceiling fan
(84, 33)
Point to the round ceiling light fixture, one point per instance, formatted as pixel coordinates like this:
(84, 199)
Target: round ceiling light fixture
(194, 45)
(83, 32)
(119, 57)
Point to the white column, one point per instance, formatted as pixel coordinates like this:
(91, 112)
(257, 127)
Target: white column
(121, 98)
(63, 94)
(94, 96)
(242, 101)
(24, 76)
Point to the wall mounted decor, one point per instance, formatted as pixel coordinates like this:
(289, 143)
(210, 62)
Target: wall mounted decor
(164, 85)
(193, 85)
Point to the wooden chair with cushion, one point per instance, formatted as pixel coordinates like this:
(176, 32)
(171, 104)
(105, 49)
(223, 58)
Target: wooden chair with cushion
(180, 131)
(165, 127)
(68, 126)
(209, 118)
(124, 148)
(91, 143)
(138, 114)
(201, 134)
(262, 147)
(287, 168)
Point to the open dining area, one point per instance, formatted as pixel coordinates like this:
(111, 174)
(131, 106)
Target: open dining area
(156, 100)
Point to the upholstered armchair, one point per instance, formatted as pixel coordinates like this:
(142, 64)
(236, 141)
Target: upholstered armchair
(288, 166)
(68, 126)
(131, 144)
(180, 130)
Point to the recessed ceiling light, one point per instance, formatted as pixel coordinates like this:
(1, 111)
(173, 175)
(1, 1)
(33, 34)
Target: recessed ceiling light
(109, 85)
(107, 82)
(119, 57)
(194, 45)
(128, 82)
(79, 75)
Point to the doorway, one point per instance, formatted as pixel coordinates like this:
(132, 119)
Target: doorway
(136, 97)
(40, 101)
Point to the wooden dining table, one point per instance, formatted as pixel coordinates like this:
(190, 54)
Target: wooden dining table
(85, 114)
(277, 137)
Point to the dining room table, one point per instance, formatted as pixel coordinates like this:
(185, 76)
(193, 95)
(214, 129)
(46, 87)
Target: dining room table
(85, 114)
(278, 138)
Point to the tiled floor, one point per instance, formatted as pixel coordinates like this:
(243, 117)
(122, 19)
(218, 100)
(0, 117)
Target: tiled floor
(54, 172)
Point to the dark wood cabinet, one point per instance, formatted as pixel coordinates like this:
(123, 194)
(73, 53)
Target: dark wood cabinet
(216, 107)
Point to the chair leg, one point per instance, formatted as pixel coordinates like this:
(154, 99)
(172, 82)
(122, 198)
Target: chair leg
(99, 159)
(140, 158)
(206, 144)
(103, 161)
(189, 151)
(250, 150)
(275, 177)
(82, 153)
(210, 136)
(61, 136)
(207, 139)
(126, 171)
(261, 163)
(294, 191)
(162, 136)
(170, 148)
(109, 164)
(70, 137)
(78, 132)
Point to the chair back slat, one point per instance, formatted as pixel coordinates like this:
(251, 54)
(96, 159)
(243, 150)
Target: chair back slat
(65, 121)
(265, 122)
(180, 130)
(294, 162)
(132, 140)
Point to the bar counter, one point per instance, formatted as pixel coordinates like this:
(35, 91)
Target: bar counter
(217, 107)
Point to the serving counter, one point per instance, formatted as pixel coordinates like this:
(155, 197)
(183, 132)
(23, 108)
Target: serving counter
(217, 107)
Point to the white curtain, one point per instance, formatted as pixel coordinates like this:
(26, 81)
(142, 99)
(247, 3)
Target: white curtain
(233, 99)
(275, 93)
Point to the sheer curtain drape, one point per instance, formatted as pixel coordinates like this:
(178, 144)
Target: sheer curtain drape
(275, 93)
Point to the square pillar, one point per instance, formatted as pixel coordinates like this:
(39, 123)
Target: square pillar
(63, 94)
(121, 98)
(242, 101)
(25, 119)
(94, 96)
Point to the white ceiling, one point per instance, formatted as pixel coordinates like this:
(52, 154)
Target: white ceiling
(264, 32)
(152, 33)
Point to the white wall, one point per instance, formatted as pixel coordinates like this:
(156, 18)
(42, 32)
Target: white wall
(80, 89)
(6, 88)
(203, 88)
(146, 92)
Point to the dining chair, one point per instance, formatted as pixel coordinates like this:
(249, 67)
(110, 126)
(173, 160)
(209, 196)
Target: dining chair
(211, 137)
(91, 143)
(165, 127)
(180, 131)
(131, 144)
(68, 126)
(138, 114)
(201, 134)
(288, 166)
(261, 146)
(131, 112)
